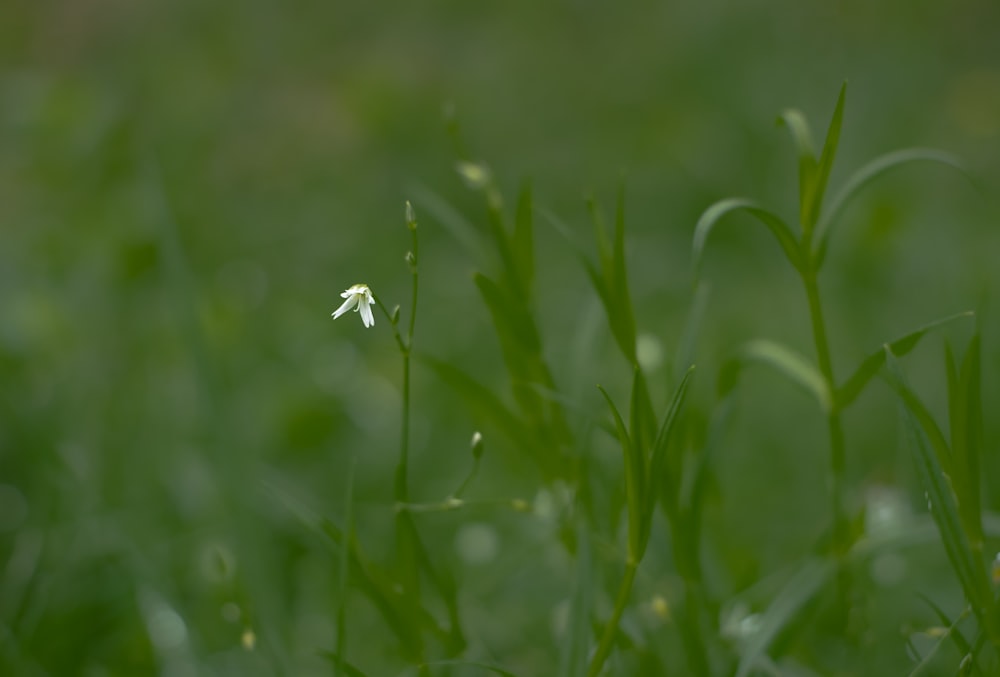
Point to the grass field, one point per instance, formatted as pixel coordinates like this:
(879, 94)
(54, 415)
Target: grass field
(655, 386)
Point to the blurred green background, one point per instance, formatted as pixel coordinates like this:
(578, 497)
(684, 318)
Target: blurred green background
(186, 188)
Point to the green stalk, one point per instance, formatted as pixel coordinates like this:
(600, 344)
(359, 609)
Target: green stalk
(608, 637)
(837, 452)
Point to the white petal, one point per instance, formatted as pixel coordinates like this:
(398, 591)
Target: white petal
(351, 301)
(366, 313)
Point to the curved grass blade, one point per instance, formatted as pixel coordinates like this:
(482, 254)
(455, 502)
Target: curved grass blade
(866, 175)
(853, 386)
(798, 127)
(971, 574)
(783, 359)
(802, 586)
(710, 217)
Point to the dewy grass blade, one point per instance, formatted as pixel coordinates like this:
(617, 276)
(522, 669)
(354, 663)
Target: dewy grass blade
(784, 360)
(853, 386)
(814, 197)
(713, 214)
(866, 175)
(802, 586)
(798, 127)
(971, 574)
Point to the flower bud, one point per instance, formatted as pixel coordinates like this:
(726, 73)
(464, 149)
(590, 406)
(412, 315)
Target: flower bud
(477, 445)
(411, 217)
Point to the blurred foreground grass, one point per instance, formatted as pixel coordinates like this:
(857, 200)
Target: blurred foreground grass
(185, 189)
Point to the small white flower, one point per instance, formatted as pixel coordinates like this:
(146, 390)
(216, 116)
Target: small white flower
(359, 298)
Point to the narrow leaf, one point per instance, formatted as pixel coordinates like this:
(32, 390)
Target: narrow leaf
(847, 393)
(815, 196)
(802, 586)
(345, 562)
(713, 214)
(342, 666)
(573, 656)
(971, 574)
(523, 239)
(658, 465)
(784, 360)
(798, 127)
(488, 667)
(866, 175)
(633, 485)
(966, 418)
(623, 313)
(961, 643)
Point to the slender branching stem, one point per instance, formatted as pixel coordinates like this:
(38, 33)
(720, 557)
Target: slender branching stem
(611, 628)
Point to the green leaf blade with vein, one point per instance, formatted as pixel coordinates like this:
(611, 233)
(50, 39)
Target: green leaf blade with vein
(855, 384)
(866, 175)
(798, 127)
(711, 216)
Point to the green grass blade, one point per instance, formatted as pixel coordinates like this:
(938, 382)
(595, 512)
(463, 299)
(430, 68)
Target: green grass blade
(511, 320)
(801, 588)
(711, 216)
(971, 573)
(342, 666)
(488, 667)
(967, 443)
(785, 361)
(523, 240)
(623, 315)
(814, 197)
(871, 365)
(658, 466)
(961, 643)
(345, 562)
(866, 175)
(798, 127)
(633, 480)
(574, 650)
(485, 403)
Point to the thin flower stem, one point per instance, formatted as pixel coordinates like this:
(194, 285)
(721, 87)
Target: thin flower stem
(608, 637)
